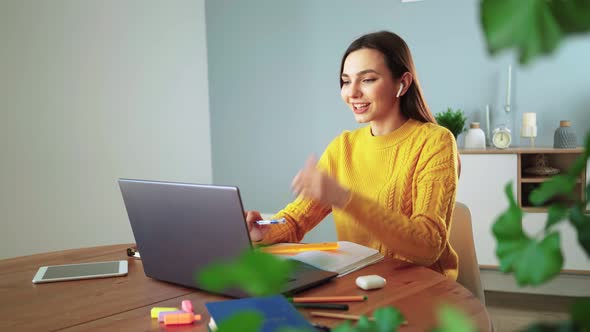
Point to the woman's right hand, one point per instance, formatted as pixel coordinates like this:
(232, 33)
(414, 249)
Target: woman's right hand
(257, 232)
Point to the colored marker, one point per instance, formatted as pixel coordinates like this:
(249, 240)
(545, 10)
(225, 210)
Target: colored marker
(157, 310)
(181, 319)
(187, 305)
(271, 221)
(164, 313)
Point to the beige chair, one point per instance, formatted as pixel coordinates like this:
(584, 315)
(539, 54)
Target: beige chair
(461, 239)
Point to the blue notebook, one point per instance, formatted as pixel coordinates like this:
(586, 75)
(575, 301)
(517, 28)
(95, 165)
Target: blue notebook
(276, 310)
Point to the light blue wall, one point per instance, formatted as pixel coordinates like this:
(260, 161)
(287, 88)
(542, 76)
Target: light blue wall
(274, 67)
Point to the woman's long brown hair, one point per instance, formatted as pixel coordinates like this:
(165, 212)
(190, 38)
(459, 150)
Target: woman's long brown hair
(399, 60)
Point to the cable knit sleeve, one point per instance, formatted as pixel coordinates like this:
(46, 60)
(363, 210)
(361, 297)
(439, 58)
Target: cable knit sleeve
(421, 237)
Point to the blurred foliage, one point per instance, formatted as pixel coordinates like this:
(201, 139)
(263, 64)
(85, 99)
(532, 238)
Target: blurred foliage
(536, 260)
(532, 261)
(453, 320)
(532, 27)
(386, 319)
(247, 321)
(254, 272)
(453, 120)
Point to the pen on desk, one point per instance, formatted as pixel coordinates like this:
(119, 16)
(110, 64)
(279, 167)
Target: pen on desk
(340, 316)
(131, 252)
(329, 299)
(343, 316)
(271, 221)
(326, 306)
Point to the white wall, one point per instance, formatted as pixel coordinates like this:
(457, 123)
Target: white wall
(91, 91)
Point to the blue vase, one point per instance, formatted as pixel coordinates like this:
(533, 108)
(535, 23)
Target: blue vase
(564, 137)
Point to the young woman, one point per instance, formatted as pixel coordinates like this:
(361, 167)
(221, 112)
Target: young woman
(390, 185)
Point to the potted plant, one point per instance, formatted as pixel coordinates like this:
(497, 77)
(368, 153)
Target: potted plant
(453, 120)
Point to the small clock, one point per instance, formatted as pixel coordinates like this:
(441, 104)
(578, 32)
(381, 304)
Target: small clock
(501, 137)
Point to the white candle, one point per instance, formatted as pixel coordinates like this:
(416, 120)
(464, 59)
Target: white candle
(529, 119)
(487, 114)
(509, 88)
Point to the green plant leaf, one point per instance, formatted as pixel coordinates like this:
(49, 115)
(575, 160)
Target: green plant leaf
(254, 272)
(508, 226)
(344, 327)
(453, 120)
(453, 320)
(555, 214)
(579, 310)
(509, 253)
(540, 261)
(364, 325)
(388, 319)
(577, 167)
(528, 25)
(572, 15)
(246, 321)
(557, 185)
(507, 230)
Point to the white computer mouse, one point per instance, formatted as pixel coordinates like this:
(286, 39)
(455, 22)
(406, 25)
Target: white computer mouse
(370, 282)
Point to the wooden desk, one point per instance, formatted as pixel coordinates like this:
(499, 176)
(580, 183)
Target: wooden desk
(123, 303)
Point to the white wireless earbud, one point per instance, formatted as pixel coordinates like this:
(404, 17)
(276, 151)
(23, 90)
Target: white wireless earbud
(401, 87)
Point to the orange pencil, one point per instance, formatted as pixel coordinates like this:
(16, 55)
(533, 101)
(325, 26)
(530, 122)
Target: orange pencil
(340, 316)
(343, 316)
(329, 299)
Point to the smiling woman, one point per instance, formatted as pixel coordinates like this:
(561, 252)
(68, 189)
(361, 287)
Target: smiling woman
(390, 185)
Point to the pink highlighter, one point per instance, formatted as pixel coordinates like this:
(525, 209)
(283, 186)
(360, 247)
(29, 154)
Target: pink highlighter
(187, 305)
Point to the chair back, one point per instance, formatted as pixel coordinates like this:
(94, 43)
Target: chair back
(461, 239)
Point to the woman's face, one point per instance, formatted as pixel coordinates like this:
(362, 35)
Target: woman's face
(368, 86)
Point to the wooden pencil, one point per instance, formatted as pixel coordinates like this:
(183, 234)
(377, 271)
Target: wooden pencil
(342, 316)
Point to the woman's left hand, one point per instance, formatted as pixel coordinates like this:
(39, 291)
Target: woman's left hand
(312, 183)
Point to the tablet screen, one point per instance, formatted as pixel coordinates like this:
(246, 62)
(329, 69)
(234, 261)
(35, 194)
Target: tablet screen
(76, 270)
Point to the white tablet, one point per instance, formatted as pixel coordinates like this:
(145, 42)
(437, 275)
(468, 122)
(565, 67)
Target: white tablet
(80, 271)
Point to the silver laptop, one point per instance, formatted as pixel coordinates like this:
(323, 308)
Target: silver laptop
(181, 228)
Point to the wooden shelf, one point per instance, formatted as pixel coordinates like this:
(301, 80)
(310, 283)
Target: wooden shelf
(534, 209)
(540, 179)
(562, 159)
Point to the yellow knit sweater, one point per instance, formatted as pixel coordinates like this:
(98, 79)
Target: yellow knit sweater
(402, 189)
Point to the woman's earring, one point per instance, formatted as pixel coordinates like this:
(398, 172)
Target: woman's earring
(401, 87)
